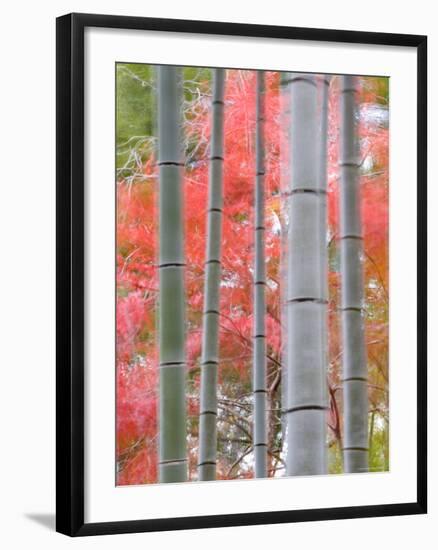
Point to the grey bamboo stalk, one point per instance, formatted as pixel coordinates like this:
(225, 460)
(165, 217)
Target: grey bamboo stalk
(260, 439)
(172, 410)
(351, 244)
(323, 136)
(324, 87)
(285, 165)
(305, 303)
(210, 335)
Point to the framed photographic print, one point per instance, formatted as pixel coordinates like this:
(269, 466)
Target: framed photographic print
(241, 274)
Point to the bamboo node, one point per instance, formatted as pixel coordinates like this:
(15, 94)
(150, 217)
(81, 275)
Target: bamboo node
(299, 79)
(170, 163)
(358, 237)
(215, 311)
(349, 164)
(172, 461)
(306, 299)
(305, 408)
(300, 190)
(172, 264)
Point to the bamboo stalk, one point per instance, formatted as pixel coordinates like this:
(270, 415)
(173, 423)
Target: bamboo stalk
(324, 87)
(353, 337)
(210, 335)
(172, 423)
(285, 165)
(305, 302)
(260, 439)
(322, 174)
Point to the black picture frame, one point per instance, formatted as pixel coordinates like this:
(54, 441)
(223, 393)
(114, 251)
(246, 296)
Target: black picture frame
(70, 273)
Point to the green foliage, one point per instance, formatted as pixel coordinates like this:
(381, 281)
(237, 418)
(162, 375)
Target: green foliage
(196, 80)
(135, 122)
(335, 464)
(378, 455)
(382, 90)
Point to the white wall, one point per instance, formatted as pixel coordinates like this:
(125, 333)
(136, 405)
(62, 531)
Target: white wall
(27, 232)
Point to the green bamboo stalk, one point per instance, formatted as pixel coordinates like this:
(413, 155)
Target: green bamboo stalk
(305, 302)
(210, 335)
(354, 353)
(260, 439)
(172, 409)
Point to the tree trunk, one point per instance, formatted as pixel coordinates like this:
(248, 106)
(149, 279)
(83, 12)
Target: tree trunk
(210, 342)
(305, 303)
(172, 421)
(260, 439)
(354, 353)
